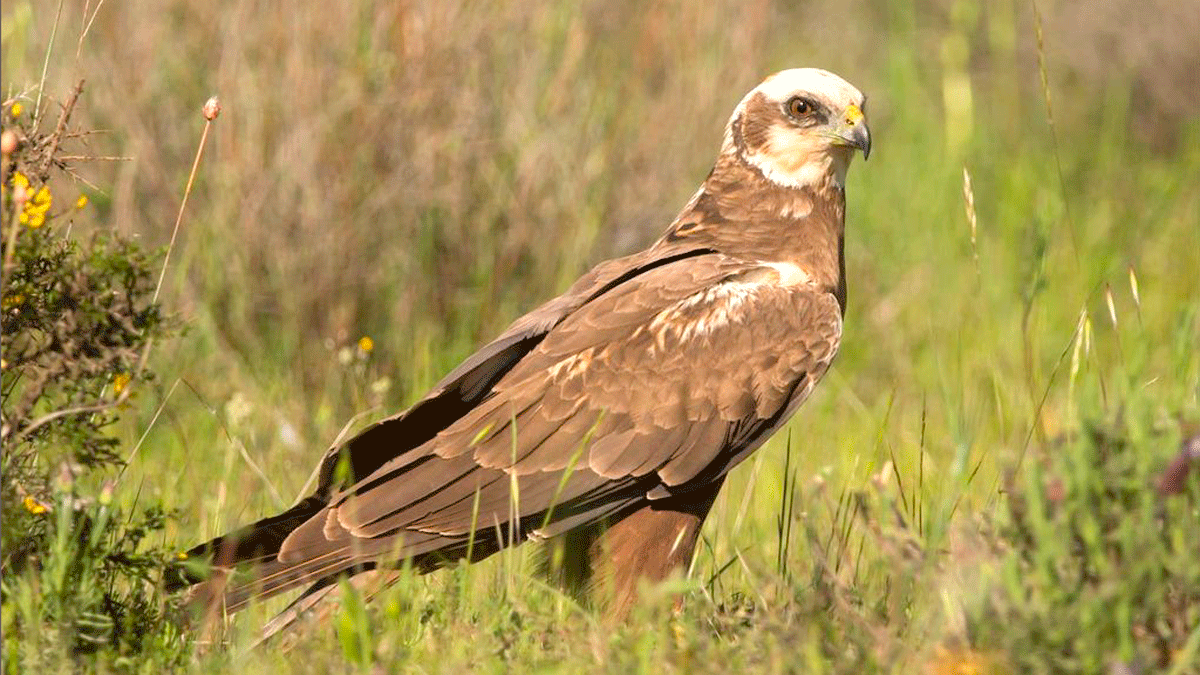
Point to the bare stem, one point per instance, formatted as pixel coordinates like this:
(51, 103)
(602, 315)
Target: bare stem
(1062, 183)
(13, 226)
(182, 205)
(37, 106)
(87, 28)
(59, 131)
(969, 203)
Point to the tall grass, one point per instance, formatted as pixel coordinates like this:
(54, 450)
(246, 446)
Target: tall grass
(421, 173)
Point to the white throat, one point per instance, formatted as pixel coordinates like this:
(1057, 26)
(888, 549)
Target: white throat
(817, 170)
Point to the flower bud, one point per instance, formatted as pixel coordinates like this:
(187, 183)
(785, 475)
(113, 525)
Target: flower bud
(212, 108)
(8, 142)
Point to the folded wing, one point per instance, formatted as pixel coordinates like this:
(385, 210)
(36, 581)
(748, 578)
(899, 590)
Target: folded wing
(661, 381)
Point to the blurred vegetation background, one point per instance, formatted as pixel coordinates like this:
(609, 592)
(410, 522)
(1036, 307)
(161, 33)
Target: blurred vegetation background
(420, 173)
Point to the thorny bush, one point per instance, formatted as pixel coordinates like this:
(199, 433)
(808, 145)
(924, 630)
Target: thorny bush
(78, 318)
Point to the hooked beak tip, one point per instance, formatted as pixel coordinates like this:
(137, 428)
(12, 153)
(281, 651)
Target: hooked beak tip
(860, 137)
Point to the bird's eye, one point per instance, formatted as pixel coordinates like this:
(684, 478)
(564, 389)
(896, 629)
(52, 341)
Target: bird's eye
(799, 106)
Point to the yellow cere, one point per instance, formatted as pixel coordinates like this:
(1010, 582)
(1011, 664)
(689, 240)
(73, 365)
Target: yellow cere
(853, 114)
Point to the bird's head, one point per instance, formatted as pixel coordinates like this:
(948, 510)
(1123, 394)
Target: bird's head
(800, 128)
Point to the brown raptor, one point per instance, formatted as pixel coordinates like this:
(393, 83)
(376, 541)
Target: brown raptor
(616, 408)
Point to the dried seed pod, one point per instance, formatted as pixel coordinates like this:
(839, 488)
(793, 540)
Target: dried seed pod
(212, 108)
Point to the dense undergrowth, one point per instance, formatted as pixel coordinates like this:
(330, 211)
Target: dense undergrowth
(80, 570)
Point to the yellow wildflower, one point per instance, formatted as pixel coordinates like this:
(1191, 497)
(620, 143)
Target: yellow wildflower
(34, 506)
(12, 301)
(36, 207)
(15, 110)
(182, 555)
(963, 661)
(120, 381)
(81, 202)
(42, 199)
(366, 343)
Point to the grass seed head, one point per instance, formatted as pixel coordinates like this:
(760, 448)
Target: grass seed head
(212, 108)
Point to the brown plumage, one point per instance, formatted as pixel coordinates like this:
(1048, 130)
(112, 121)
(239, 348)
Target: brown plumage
(618, 406)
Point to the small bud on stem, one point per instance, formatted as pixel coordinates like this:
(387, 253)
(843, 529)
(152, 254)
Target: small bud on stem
(212, 108)
(8, 142)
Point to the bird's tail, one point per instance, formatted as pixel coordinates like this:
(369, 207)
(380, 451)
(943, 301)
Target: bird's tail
(256, 544)
(258, 541)
(218, 587)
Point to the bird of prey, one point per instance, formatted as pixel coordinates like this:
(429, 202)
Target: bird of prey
(617, 407)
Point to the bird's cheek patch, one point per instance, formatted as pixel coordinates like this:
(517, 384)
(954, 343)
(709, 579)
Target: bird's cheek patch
(791, 158)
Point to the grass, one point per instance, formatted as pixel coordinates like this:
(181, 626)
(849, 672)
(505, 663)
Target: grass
(971, 487)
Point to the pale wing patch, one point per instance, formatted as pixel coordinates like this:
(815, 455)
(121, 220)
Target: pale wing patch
(726, 303)
(701, 313)
(790, 274)
(573, 365)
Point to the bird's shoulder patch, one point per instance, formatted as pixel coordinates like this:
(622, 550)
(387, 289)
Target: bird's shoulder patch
(787, 274)
(730, 301)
